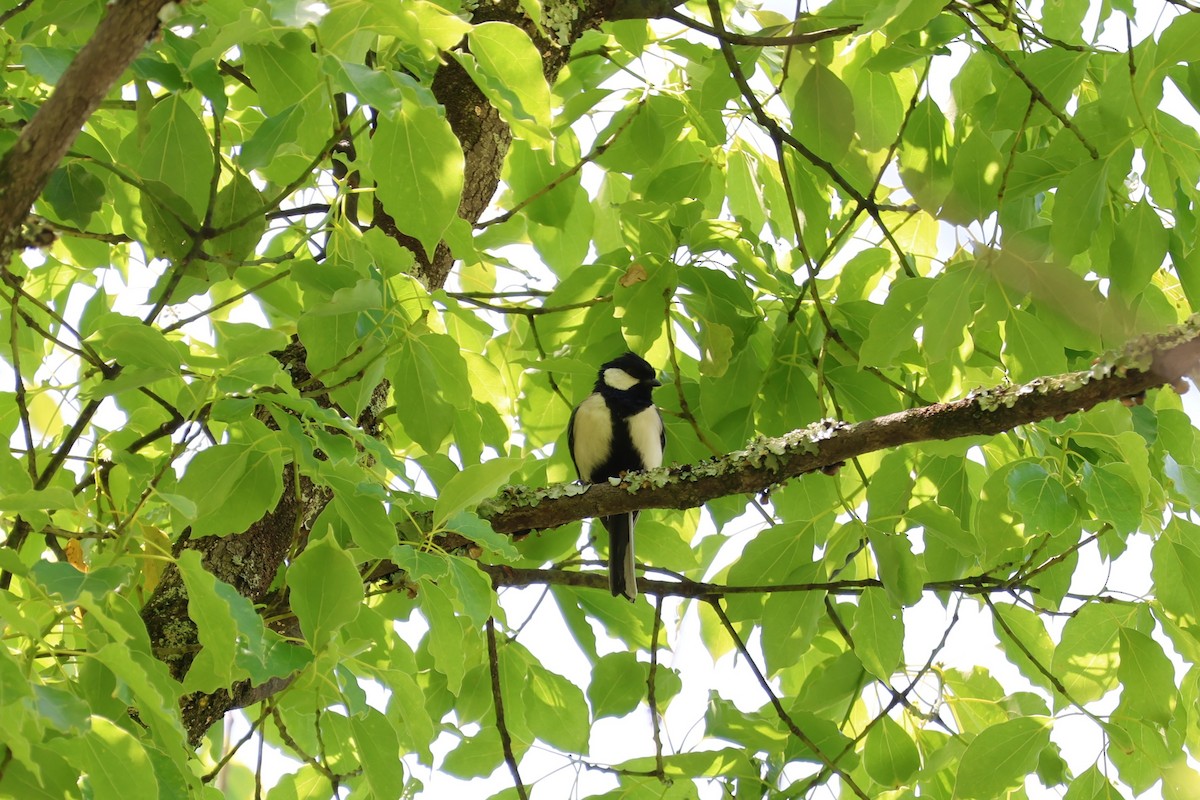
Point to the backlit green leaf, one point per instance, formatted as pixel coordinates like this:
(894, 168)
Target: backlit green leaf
(878, 633)
(999, 758)
(823, 113)
(1147, 678)
(889, 755)
(419, 165)
(326, 590)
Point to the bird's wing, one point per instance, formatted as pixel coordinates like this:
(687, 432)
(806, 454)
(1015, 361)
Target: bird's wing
(571, 439)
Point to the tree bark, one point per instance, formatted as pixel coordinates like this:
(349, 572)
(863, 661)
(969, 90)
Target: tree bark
(26, 167)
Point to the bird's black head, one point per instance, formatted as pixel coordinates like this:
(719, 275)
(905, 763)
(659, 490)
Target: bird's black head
(629, 376)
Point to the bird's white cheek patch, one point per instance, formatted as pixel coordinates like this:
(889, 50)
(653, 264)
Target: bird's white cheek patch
(619, 379)
(593, 434)
(645, 429)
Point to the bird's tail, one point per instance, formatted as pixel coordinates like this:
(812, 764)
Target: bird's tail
(622, 579)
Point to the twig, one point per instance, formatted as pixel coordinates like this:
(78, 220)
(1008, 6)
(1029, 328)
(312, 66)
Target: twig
(216, 770)
(1030, 85)
(651, 696)
(331, 776)
(532, 311)
(596, 152)
(1045, 672)
(684, 409)
(505, 739)
(17, 9)
(14, 333)
(897, 698)
(760, 41)
(780, 711)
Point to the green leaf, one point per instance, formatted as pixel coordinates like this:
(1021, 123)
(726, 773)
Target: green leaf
(889, 754)
(890, 490)
(237, 201)
(531, 172)
(214, 627)
(643, 303)
(618, 684)
(1092, 785)
(898, 568)
(790, 620)
(326, 590)
(1030, 347)
(434, 375)
(419, 167)
(378, 750)
(475, 483)
(1077, 204)
(445, 634)
(417, 729)
(368, 521)
(476, 597)
(136, 345)
(1114, 495)
(177, 152)
(949, 311)
(335, 332)
(823, 114)
(999, 758)
(1063, 19)
(233, 485)
(283, 73)
(242, 340)
(925, 155)
(1173, 561)
(878, 633)
(57, 578)
(975, 180)
(878, 108)
(273, 133)
(33, 501)
(55, 777)
(74, 193)
(115, 763)
(742, 189)
(14, 685)
(555, 710)
(475, 756)
(1147, 678)
(1138, 249)
(1029, 647)
(1086, 658)
(1039, 497)
(893, 326)
(480, 531)
(1142, 755)
(1180, 41)
(508, 69)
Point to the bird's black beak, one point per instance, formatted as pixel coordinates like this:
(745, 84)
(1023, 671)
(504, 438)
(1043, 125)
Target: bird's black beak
(654, 383)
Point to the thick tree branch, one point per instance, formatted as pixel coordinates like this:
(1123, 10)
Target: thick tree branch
(26, 167)
(1145, 363)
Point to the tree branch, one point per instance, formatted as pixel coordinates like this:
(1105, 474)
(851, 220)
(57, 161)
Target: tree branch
(1145, 363)
(505, 739)
(784, 717)
(26, 167)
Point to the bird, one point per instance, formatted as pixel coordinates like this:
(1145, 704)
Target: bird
(618, 429)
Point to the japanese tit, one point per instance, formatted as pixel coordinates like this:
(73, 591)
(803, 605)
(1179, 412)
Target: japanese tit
(617, 429)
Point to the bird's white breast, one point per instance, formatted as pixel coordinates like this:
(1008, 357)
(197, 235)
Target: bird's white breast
(593, 434)
(645, 429)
